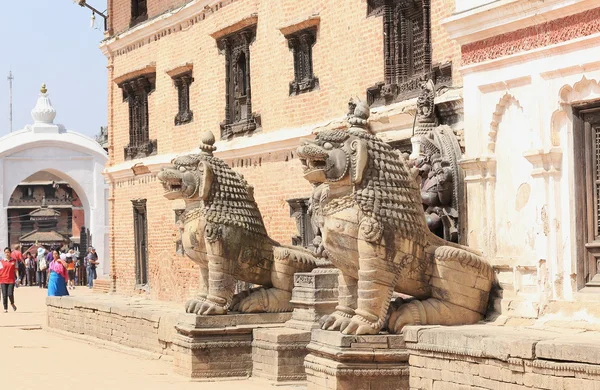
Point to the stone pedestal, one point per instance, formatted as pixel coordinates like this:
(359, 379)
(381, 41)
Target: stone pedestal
(314, 295)
(339, 362)
(219, 346)
(278, 354)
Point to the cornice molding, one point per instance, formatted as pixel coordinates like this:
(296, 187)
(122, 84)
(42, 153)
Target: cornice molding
(509, 15)
(146, 30)
(582, 43)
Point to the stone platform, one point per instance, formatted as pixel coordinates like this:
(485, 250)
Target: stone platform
(132, 322)
(339, 362)
(499, 357)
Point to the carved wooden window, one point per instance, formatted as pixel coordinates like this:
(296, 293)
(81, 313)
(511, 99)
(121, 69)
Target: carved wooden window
(139, 11)
(301, 44)
(136, 92)
(182, 83)
(586, 140)
(239, 118)
(140, 231)
(407, 50)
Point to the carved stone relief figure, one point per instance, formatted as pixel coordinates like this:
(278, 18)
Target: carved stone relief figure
(223, 232)
(370, 212)
(436, 153)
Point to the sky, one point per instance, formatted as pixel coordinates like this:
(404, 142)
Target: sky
(51, 42)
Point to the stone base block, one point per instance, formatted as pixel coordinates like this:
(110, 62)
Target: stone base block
(278, 354)
(339, 362)
(219, 346)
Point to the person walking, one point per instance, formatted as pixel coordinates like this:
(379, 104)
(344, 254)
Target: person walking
(92, 262)
(70, 260)
(42, 266)
(7, 280)
(57, 283)
(17, 256)
(29, 269)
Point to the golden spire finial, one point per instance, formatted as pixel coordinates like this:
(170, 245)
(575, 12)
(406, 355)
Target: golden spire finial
(43, 90)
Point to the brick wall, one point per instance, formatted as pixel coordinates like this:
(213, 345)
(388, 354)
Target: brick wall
(120, 14)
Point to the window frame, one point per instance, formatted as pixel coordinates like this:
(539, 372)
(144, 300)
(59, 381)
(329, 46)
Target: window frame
(136, 16)
(301, 45)
(239, 118)
(402, 51)
(183, 82)
(136, 92)
(586, 130)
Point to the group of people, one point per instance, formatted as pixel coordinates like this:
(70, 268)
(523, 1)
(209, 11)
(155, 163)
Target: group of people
(51, 269)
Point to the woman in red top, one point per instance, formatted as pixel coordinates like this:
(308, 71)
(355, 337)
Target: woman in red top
(7, 280)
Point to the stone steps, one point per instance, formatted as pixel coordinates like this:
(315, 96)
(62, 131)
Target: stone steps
(103, 286)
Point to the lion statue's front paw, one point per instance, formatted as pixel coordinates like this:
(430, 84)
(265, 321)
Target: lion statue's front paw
(202, 306)
(337, 320)
(358, 326)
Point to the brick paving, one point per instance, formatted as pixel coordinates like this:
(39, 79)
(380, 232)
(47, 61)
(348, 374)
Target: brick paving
(30, 354)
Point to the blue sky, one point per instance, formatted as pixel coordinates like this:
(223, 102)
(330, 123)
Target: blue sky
(50, 41)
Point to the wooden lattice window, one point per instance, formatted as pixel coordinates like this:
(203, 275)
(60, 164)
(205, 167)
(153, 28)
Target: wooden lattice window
(182, 83)
(586, 140)
(136, 92)
(140, 231)
(301, 44)
(407, 50)
(139, 11)
(239, 118)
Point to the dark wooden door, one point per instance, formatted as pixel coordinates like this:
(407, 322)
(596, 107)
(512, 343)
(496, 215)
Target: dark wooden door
(140, 229)
(586, 138)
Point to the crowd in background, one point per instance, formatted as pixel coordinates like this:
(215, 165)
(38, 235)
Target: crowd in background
(55, 268)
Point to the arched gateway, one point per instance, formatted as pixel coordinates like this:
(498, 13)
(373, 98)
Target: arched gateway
(74, 157)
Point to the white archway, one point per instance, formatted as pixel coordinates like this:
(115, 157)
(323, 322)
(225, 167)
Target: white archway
(75, 158)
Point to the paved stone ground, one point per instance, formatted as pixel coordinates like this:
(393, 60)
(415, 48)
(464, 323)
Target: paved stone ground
(29, 355)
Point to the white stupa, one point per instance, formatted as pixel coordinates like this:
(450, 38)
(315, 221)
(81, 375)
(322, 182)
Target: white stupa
(43, 115)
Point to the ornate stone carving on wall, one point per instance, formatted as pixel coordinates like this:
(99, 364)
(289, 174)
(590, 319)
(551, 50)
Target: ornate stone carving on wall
(223, 232)
(370, 213)
(435, 157)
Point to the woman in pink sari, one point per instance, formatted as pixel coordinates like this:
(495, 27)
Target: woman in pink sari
(57, 284)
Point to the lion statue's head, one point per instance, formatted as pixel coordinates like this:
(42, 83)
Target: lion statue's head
(356, 162)
(206, 182)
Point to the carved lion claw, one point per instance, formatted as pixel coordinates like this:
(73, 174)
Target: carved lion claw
(202, 306)
(357, 327)
(337, 320)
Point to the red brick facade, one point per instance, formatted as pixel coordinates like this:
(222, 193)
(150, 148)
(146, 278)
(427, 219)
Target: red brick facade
(347, 59)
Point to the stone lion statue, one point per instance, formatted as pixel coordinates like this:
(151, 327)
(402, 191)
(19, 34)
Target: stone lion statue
(223, 231)
(374, 230)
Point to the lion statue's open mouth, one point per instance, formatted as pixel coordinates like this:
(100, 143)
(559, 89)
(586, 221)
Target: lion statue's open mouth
(182, 179)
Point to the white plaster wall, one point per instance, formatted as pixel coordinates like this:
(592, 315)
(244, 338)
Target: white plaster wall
(529, 143)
